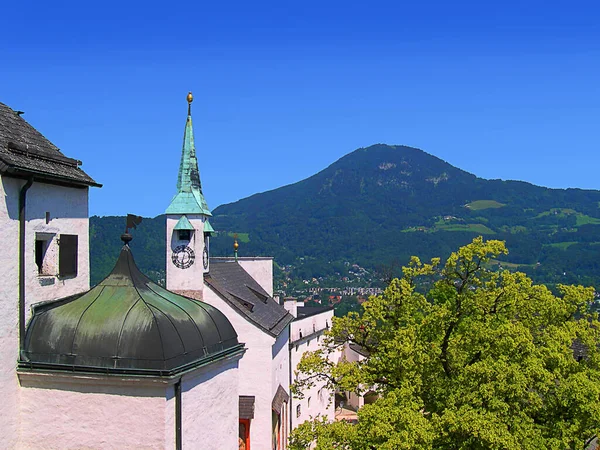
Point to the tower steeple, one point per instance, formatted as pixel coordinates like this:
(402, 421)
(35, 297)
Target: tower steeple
(189, 198)
(188, 229)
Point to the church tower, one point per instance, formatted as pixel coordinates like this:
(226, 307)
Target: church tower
(188, 228)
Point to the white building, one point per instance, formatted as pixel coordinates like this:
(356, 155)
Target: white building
(307, 335)
(125, 365)
(242, 289)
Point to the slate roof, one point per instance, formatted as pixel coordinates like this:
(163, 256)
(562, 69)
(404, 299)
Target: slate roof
(24, 152)
(243, 293)
(279, 399)
(127, 324)
(307, 311)
(360, 350)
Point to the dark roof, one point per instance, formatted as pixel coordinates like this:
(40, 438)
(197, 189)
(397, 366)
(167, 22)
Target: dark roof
(307, 311)
(246, 404)
(24, 152)
(360, 349)
(127, 324)
(279, 399)
(244, 294)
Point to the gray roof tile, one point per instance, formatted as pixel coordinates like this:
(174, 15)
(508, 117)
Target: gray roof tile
(24, 151)
(244, 294)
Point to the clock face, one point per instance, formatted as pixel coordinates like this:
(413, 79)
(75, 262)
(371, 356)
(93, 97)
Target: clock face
(205, 258)
(183, 256)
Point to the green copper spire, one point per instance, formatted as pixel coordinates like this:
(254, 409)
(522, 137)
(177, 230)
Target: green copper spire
(189, 198)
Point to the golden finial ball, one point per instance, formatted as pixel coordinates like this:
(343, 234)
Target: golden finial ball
(235, 245)
(190, 97)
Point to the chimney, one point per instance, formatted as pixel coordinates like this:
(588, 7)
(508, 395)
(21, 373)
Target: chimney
(291, 305)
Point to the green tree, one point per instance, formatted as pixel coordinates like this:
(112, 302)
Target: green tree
(484, 360)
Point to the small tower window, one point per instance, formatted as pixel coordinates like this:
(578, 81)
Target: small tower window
(185, 235)
(45, 253)
(41, 246)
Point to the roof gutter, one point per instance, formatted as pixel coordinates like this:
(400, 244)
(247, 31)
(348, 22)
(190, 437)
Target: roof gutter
(22, 218)
(178, 432)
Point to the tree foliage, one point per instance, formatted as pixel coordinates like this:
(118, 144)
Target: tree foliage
(484, 360)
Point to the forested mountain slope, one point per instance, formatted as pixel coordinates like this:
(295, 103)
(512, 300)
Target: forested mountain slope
(385, 203)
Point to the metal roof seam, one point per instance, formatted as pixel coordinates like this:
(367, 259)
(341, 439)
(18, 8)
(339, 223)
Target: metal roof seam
(199, 304)
(81, 317)
(162, 344)
(123, 326)
(185, 312)
(185, 351)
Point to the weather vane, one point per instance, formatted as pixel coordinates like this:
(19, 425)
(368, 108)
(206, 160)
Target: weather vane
(132, 222)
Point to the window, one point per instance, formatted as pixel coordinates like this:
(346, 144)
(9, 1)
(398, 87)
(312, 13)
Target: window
(67, 255)
(309, 401)
(185, 235)
(45, 254)
(298, 411)
(41, 247)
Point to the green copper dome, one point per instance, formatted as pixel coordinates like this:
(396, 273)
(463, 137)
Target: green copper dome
(127, 324)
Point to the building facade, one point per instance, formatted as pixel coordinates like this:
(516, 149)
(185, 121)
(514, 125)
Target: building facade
(242, 289)
(125, 365)
(306, 335)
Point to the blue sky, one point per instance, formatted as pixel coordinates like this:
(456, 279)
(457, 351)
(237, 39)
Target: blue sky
(505, 90)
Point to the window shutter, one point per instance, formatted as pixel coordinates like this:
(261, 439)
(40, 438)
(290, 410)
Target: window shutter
(67, 255)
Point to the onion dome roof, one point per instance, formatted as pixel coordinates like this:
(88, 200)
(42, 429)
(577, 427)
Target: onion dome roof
(127, 324)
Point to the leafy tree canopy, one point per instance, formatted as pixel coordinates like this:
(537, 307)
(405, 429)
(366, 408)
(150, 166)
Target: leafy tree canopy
(484, 360)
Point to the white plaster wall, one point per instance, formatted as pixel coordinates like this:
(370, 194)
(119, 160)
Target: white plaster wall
(9, 314)
(210, 407)
(254, 369)
(354, 400)
(191, 278)
(321, 399)
(261, 269)
(281, 376)
(85, 414)
(310, 324)
(281, 361)
(68, 209)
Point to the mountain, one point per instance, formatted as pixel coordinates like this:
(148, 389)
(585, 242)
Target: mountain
(385, 203)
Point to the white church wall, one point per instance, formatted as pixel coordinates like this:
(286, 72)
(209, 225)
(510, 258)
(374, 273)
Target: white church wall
(261, 269)
(210, 407)
(68, 215)
(92, 412)
(254, 369)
